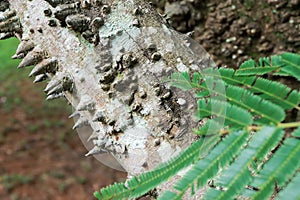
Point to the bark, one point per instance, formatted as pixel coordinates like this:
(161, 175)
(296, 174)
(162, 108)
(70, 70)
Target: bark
(109, 60)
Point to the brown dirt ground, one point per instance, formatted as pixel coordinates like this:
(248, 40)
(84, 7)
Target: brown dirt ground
(42, 158)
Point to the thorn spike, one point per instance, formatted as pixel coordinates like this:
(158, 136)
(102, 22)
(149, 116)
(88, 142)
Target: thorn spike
(56, 90)
(40, 78)
(95, 150)
(60, 82)
(48, 65)
(80, 123)
(74, 114)
(33, 57)
(54, 96)
(55, 81)
(24, 47)
(52, 84)
(20, 56)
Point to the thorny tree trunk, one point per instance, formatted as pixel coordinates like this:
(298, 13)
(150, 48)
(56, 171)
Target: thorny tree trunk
(109, 59)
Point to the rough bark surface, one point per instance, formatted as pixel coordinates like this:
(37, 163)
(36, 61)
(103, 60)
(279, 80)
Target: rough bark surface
(109, 59)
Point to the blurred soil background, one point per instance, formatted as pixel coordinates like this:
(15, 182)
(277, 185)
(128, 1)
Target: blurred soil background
(41, 157)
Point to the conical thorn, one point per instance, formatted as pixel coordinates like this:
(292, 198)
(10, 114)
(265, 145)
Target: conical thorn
(24, 47)
(61, 81)
(74, 114)
(56, 90)
(52, 84)
(40, 78)
(33, 57)
(19, 56)
(95, 150)
(80, 123)
(54, 96)
(48, 65)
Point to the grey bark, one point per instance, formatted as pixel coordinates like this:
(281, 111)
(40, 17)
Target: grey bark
(109, 60)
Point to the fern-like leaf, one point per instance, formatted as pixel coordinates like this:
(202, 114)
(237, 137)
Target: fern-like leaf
(263, 110)
(277, 171)
(249, 67)
(237, 175)
(228, 112)
(267, 112)
(207, 167)
(270, 90)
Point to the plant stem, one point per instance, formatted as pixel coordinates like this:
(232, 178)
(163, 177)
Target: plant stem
(289, 125)
(281, 125)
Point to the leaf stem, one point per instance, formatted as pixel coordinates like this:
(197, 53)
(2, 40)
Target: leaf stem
(289, 125)
(280, 125)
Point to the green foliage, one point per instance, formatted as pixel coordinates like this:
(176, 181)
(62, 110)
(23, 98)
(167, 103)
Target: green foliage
(285, 64)
(292, 190)
(237, 175)
(203, 169)
(8, 48)
(244, 149)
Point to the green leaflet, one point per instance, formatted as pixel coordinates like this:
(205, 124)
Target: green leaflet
(249, 67)
(292, 190)
(207, 167)
(138, 186)
(291, 64)
(267, 112)
(288, 63)
(276, 92)
(170, 196)
(264, 111)
(269, 90)
(237, 175)
(278, 170)
(228, 112)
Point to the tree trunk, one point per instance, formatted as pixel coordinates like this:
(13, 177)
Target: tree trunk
(109, 59)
